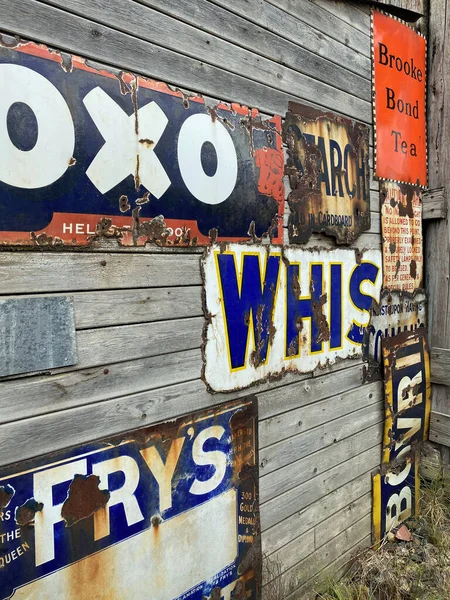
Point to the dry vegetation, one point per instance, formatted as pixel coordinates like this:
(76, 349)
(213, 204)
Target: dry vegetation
(416, 570)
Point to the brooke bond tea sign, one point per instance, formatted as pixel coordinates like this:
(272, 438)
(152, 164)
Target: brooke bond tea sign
(86, 153)
(271, 310)
(169, 512)
(399, 79)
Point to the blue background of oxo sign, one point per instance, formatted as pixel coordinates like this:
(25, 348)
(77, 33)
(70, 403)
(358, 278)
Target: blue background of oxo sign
(77, 541)
(32, 209)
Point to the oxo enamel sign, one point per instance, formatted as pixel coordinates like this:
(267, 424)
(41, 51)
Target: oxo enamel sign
(399, 79)
(86, 153)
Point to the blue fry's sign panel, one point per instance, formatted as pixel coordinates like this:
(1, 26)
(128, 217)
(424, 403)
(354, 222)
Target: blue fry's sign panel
(165, 513)
(87, 153)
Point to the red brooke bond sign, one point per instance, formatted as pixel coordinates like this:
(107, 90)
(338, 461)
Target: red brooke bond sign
(399, 79)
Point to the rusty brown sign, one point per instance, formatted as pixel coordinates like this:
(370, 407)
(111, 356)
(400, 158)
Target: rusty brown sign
(401, 227)
(328, 169)
(166, 512)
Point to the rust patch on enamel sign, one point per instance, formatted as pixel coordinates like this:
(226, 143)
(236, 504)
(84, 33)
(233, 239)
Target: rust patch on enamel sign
(397, 312)
(328, 169)
(399, 83)
(401, 226)
(271, 310)
(166, 512)
(408, 403)
(87, 154)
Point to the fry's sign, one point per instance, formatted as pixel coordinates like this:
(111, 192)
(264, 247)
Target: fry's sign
(273, 310)
(165, 513)
(85, 152)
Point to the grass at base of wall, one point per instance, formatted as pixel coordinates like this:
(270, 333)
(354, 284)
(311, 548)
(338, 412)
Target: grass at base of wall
(416, 570)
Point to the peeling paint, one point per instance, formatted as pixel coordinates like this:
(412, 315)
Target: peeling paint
(84, 499)
(272, 310)
(328, 169)
(210, 166)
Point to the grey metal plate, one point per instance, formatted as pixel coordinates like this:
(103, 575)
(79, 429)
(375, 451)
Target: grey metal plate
(36, 334)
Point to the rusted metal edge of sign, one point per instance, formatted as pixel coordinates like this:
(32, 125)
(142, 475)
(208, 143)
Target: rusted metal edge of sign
(396, 312)
(329, 174)
(408, 404)
(274, 310)
(87, 153)
(400, 165)
(401, 229)
(166, 512)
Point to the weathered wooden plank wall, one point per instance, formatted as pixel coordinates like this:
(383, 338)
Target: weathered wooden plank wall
(138, 312)
(437, 234)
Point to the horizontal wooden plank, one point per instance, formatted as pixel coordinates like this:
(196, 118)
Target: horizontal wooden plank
(434, 204)
(440, 365)
(34, 272)
(440, 428)
(337, 567)
(279, 69)
(74, 34)
(304, 570)
(287, 556)
(290, 528)
(296, 499)
(128, 306)
(80, 424)
(323, 532)
(113, 344)
(329, 528)
(284, 19)
(316, 458)
(305, 392)
(32, 396)
(348, 13)
(306, 418)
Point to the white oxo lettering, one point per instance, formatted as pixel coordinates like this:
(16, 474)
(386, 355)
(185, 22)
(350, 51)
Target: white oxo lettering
(195, 132)
(126, 151)
(48, 160)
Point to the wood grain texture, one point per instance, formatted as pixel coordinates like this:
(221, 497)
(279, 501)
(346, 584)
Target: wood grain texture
(299, 497)
(292, 527)
(44, 272)
(291, 471)
(270, 59)
(440, 428)
(440, 365)
(302, 420)
(69, 32)
(304, 570)
(33, 396)
(434, 204)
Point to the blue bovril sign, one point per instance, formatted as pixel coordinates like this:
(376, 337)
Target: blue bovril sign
(166, 513)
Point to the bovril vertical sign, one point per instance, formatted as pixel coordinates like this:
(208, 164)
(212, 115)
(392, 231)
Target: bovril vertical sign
(170, 512)
(271, 310)
(408, 399)
(399, 79)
